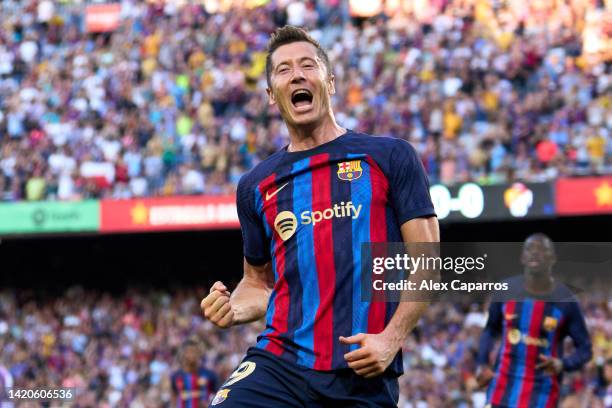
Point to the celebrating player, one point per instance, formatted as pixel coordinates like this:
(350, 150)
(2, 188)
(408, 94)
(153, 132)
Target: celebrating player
(532, 326)
(304, 213)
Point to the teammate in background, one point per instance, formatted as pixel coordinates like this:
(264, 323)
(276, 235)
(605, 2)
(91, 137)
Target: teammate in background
(192, 385)
(304, 213)
(533, 327)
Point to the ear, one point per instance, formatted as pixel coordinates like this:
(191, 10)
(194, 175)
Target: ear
(271, 99)
(332, 84)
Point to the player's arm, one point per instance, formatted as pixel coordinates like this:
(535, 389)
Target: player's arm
(248, 302)
(582, 342)
(414, 209)
(378, 350)
(492, 330)
(408, 313)
(250, 298)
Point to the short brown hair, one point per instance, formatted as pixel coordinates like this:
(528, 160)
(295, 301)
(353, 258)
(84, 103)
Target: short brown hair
(287, 35)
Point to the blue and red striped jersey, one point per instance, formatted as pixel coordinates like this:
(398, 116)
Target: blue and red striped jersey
(529, 327)
(194, 389)
(308, 213)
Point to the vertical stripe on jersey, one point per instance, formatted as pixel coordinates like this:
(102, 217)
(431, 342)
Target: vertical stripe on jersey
(188, 389)
(361, 194)
(293, 282)
(531, 358)
(209, 387)
(342, 231)
(517, 364)
(378, 233)
(180, 386)
(263, 343)
(324, 260)
(302, 201)
(501, 379)
(544, 384)
(194, 390)
(281, 300)
(553, 396)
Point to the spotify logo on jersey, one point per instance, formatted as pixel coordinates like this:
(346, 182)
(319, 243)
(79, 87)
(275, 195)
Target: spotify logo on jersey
(285, 224)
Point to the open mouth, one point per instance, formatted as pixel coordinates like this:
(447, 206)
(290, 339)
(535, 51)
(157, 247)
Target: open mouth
(301, 98)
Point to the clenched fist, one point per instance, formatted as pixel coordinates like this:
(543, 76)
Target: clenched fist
(216, 306)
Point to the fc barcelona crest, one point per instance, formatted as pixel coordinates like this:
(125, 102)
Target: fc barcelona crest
(349, 170)
(550, 323)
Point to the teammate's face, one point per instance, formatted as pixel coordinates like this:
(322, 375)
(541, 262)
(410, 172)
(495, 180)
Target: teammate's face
(191, 355)
(300, 85)
(538, 256)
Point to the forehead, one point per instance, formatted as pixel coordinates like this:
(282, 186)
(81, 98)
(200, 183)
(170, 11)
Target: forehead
(294, 52)
(537, 243)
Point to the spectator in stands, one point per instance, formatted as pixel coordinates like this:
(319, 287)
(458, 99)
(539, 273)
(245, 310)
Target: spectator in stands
(171, 102)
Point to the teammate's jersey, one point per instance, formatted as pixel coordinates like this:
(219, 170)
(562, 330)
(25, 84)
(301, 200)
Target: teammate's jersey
(308, 213)
(194, 390)
(530, 327)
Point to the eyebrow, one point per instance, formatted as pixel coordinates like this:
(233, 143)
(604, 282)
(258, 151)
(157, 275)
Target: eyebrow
(300, 60)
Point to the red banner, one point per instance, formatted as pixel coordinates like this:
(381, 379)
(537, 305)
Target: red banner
(169, 214)
(102, 17)
(583, 196)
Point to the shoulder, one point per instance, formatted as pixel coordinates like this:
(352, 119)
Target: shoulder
(567, 293)
(253, 177)
(383, 144)
(389, 153)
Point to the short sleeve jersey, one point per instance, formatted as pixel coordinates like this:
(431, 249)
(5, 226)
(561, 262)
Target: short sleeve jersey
(308, 213)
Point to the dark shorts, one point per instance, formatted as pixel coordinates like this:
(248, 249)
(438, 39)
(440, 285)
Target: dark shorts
(263, 380)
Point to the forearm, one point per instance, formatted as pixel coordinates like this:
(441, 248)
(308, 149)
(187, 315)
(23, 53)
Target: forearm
(404, 320)
(249, 300)
(421, 234)
(576, 360)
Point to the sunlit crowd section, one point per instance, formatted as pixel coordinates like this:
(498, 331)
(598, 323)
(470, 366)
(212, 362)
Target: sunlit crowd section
(168, 97)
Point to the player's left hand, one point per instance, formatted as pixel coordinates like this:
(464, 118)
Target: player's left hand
(374, 355)
(550, 365)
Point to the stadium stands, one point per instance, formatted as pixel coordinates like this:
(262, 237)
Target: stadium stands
(120, 349)
(173, 100)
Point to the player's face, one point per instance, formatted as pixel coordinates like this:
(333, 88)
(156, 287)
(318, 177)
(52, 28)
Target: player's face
(191, 355)
(537, 256)
(300, 85)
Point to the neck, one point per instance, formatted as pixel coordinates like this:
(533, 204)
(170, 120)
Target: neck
(308, 137)
(190, 368)
(539, 284)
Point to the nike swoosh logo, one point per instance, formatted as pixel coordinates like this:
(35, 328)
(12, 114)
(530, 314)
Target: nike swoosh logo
(269, 194)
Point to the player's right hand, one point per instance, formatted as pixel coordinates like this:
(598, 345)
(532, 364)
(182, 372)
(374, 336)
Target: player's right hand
(484, 375)
(216, 306)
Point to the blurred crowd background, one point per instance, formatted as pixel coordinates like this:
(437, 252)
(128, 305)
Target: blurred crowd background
(173, 101)
(120, 350)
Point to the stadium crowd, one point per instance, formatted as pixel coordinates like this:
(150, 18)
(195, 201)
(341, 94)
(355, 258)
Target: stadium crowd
(173, 101)
(120, 350)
